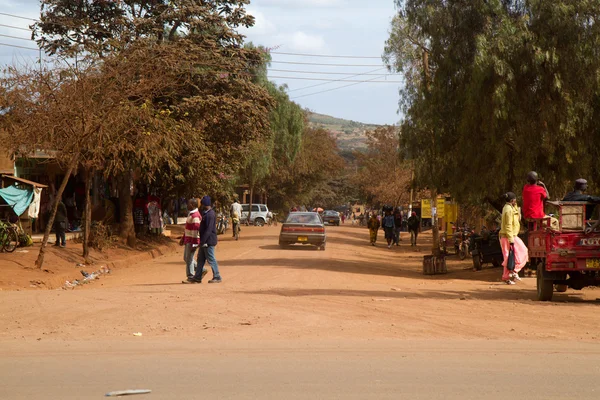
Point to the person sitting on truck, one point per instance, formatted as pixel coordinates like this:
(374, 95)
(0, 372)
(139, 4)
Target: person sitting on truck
(578, 195)
(535, 193)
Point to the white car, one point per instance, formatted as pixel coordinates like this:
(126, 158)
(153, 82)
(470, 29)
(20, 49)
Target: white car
(259, 214)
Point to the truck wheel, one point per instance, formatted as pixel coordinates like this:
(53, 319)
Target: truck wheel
(561, 288)
(259, 222)
(545, 287)
(477, 263)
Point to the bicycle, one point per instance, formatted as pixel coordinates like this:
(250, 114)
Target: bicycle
(272, 220)
(236, 230)
(9, 237)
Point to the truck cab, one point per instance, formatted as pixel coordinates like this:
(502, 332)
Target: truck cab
(564, 255)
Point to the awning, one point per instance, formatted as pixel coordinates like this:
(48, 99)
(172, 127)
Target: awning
(18, 199)
(25, 181)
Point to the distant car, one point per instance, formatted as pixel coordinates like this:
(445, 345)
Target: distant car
(303, 228)
(331, 217)
(259, 214)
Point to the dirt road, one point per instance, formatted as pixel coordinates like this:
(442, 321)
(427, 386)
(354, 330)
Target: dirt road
(350, 290)
(353, 321)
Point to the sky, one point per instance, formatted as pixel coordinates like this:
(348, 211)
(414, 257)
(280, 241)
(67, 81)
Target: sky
(303, 28)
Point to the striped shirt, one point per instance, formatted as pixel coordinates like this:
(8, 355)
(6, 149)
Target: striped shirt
(192, 228)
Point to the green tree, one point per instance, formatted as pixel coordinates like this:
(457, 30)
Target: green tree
(495, 89)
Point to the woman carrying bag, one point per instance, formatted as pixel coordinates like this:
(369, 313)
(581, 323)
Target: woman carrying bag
(513, 249)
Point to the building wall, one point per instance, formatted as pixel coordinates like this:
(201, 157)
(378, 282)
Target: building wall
(7, 165)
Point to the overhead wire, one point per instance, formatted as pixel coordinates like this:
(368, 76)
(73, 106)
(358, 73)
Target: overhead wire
(340, 80)
(17, 16)
(16, 27)
(15, 37)
(327, 65)
(323, 56)
(333, 80)
(323, 73)
(19, 47)
(332, 89)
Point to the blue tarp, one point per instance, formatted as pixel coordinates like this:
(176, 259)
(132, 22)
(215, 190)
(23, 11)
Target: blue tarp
(19, 199)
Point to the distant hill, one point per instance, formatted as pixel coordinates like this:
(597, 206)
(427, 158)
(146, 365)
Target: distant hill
(350, 135)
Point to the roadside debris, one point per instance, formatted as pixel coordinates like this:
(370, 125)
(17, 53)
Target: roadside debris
(127, 392)
(137, 334)
(87, 277)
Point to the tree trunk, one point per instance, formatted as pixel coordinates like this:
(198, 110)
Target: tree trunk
(88, 214)
(250, 202)
(127, 229)
(40, 260)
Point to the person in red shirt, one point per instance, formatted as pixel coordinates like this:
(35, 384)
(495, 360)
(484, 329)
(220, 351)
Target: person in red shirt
(535, 194)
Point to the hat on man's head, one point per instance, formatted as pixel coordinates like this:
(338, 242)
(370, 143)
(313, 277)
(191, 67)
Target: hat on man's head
(206, 201)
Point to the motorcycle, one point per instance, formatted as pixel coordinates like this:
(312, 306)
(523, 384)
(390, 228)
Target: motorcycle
(463, 241)
(222, 224)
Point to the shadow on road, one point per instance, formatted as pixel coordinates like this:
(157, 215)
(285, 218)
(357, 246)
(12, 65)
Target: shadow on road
(477, 294)
(291, 247)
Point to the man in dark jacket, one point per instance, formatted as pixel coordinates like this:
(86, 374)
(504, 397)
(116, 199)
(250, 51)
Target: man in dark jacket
(414, 226)
(60, 224)
(578, 194)
(397, 226)
(208, 241)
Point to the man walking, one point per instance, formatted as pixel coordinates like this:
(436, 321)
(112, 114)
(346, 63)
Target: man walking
(60, 224)
(208, 242)
(191, 238)
(414, 225)
(236, 213)
(397, 226)
(389, 227)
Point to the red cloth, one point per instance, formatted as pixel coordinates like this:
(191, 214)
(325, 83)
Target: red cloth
(533, 201)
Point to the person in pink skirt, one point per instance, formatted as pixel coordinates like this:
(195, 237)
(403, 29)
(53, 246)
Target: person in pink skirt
(509, 239)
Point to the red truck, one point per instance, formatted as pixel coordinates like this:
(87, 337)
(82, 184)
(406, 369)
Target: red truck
(564, 256)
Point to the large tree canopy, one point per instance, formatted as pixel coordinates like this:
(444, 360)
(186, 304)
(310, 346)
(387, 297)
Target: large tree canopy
(497, 88)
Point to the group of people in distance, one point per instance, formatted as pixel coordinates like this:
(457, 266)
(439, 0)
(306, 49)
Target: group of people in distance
(391, 222)
(535, 194)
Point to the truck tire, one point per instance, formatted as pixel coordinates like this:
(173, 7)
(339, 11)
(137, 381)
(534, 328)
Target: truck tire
(259, 222)
(545, 287)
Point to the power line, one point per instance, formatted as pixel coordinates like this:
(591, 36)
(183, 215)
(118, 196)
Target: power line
(328, 65)
(332, 80)
(323, 73)
(18, 47)
(340, 80)
(321, 55)
(16, 27)
(17, 16)
(331, 90)
(15, 37)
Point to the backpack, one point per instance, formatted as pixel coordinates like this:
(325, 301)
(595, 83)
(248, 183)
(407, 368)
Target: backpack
(388, 221)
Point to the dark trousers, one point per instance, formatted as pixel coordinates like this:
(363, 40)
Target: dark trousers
(59, 230)
(413, 237)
